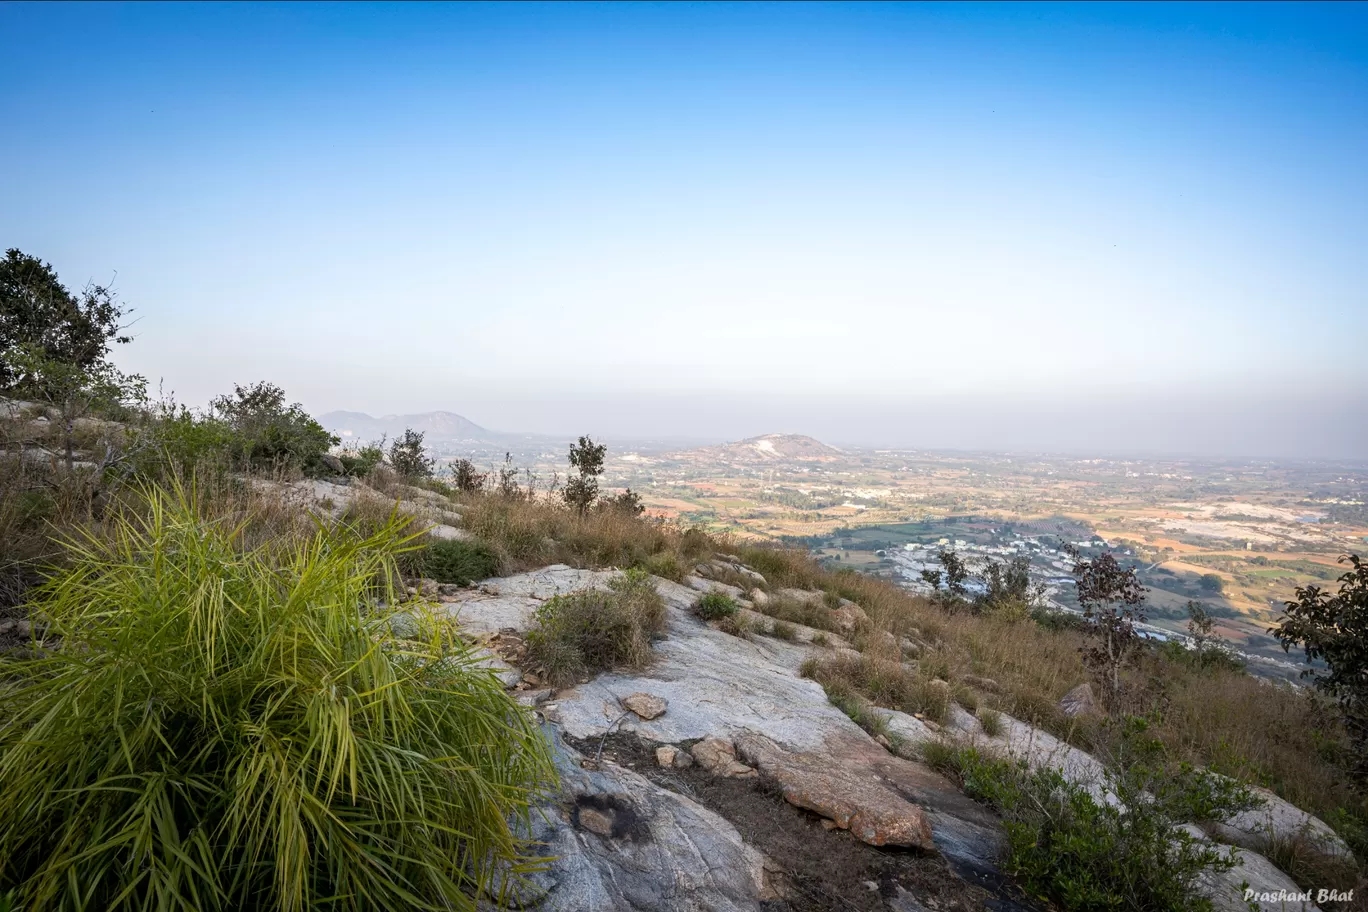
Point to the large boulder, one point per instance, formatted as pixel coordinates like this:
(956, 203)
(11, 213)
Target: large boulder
(841, 792)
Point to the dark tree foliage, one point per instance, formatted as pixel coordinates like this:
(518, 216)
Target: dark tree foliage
(1009, 584)
(407, 457)
(586, 458)
(37, 312)
(1112, 600)
(465, 477)
(1334, 629)
(628, 502)
(267, 433)
(951, 576)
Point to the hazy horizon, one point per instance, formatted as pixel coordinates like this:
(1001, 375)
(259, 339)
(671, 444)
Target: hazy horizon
(1043, 227)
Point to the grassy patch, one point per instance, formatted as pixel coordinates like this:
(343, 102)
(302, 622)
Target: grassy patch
(714, 606)
(991, 721)
(581, 634)
(882, 683)
(205, 681)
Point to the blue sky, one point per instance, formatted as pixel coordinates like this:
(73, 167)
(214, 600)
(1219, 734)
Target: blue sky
(930, 225)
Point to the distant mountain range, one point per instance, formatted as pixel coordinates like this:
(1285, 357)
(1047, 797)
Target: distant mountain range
(360, 427)
(773, 448)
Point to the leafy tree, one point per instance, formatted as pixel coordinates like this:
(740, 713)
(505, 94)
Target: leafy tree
(1009, 587)
(952, 575)
(407, 457)
(586, 458)
(75, 391)
(1112, 600)
(466, 477)
(1334, 629)
(507, 484)
(1211, 582)
(39, 314)
(267, 433)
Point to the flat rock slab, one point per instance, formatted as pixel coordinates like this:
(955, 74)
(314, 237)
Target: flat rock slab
(620, 843)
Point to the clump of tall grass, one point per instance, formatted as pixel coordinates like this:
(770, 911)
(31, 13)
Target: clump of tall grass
(228, 727)
(451, 561)
(593, 630)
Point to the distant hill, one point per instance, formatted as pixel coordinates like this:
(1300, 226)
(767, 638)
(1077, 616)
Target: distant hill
(773, 448)
(358, 426)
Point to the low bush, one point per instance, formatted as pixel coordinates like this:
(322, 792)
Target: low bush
(783, 630)
(227, 727)
(714, 606)
(738, 626)
(459, 562)
(361, 461)
(583, 633)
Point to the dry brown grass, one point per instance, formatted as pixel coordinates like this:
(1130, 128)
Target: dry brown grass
(881, 682)
(528, 534)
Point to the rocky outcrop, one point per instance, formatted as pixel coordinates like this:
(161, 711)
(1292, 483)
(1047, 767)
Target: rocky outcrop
(1277, 820)
(738, 709)
(746, 695)
(844, 793)
(619, 843)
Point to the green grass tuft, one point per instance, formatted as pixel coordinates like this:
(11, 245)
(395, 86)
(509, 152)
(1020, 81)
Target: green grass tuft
(226, 727)
(713, 606)
(583, 633)
(459, 562)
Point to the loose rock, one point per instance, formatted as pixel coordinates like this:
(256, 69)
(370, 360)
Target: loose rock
(647, 706)
(1079, 701)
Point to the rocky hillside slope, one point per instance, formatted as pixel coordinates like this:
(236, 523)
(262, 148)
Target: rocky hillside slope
(720, 778)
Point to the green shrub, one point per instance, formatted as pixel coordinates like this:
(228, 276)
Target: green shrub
(1081, 853)
(408, 457)
(360, 462)
(713, 606)
(459, 562)
(230, 728)
(267, 433)
(583, 633)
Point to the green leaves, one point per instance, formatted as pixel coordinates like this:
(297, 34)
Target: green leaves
(224, 728)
